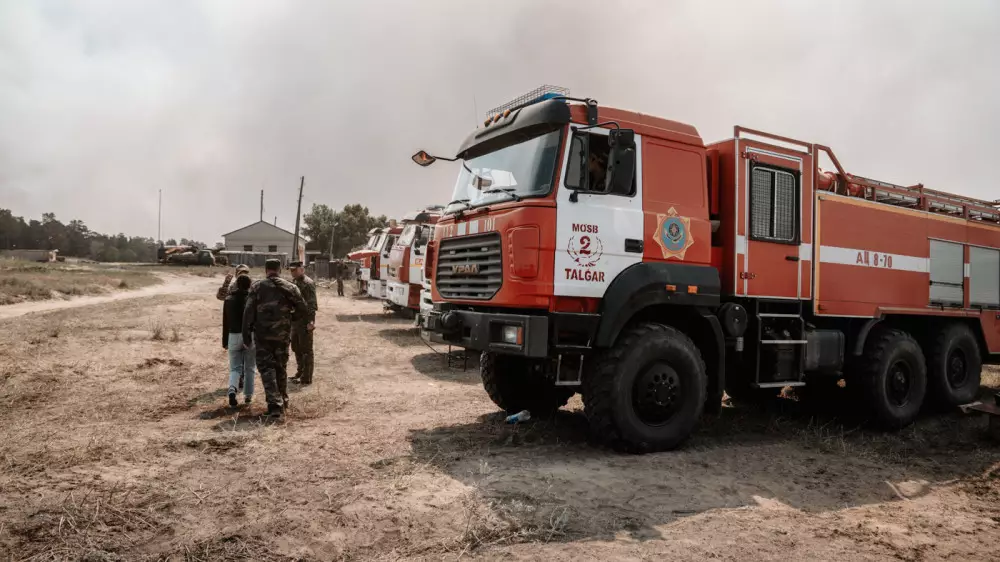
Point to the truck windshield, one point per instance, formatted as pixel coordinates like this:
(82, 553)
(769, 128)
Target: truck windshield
(525, 169)
(406, 238)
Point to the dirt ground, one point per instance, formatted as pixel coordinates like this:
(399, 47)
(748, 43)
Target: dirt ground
(115, 445)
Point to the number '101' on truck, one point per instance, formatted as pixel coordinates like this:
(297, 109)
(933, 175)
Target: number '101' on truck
(615, 254)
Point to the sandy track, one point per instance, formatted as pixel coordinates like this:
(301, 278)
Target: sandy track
(118, 446)
(171, 284)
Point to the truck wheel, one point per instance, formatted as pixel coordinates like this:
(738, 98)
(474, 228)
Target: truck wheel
(954, 366)
(516, 383)
(893, 378)
(647, 392)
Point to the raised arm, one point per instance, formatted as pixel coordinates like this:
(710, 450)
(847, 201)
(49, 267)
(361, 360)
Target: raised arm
(224, 289)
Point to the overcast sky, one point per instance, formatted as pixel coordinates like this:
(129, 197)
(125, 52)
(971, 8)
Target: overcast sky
(102, 103)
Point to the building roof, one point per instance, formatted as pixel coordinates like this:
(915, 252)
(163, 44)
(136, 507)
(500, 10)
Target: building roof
(265, 223)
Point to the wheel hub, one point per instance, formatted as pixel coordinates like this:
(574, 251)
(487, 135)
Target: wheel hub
(898, 383)
(957, 368)
(656, 394)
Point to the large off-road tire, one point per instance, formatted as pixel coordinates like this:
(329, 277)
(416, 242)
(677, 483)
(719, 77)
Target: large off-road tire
(893, 378)
(516, 383)
(647, 392)
(954, 366)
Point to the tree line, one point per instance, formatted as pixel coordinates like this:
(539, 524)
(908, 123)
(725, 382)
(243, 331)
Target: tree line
(348, 228)
(74, 239)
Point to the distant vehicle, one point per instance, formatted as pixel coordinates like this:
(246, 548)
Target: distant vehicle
(186, 255)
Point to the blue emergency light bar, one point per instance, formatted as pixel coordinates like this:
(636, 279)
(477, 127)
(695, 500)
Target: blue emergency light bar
(543, 93)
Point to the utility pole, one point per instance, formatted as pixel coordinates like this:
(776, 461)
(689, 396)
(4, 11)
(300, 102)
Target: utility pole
(159, 217)
(333, 233)
(298, 213)
(262, 205)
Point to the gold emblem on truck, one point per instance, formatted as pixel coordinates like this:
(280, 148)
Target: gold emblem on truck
(673, 234)
(465, 269)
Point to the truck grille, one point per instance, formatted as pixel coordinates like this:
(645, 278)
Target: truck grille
(470, 267)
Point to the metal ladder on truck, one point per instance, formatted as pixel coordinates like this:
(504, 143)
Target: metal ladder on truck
(779, 351)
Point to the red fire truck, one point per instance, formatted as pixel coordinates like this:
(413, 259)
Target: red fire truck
(366, 255)
(379, 272)
(616, 254)
(406, 261)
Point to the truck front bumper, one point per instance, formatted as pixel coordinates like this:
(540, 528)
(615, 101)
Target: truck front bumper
(376, 289)
(398, 293)
(487, 331)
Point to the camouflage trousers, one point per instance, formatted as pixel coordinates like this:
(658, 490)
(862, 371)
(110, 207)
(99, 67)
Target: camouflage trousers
(302, 345)
(272, 362)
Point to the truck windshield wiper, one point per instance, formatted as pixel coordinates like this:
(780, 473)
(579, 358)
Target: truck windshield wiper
(458, 212)
(508, 190)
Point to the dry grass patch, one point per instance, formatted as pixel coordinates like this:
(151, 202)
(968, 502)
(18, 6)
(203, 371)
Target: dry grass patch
(26, 281)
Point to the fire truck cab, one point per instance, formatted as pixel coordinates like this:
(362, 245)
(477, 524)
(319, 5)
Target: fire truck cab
(379, 272)
(405, 266)
(365, 256)
(607, 252)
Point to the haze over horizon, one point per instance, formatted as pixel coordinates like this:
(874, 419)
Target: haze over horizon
(103, 103)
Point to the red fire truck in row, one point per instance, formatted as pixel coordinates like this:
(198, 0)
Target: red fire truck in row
(378, 273)
(405, 266)
(366, 255)
(616, 254)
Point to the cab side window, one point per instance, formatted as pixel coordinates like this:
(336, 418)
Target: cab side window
(588, 164)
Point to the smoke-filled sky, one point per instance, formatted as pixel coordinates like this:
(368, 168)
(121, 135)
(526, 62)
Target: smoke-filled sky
(103, 103)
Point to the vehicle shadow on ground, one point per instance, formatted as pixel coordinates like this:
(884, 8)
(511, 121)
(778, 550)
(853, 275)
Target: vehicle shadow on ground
(372, 317)
(407, 336)
(434, 364)
(559, 484)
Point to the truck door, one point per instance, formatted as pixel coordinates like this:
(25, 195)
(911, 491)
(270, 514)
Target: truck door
(774, 252)
(599, 234)
(418, 253)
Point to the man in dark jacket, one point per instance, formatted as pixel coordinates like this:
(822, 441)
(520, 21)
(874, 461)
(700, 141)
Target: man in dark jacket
(241, 353)
(271, 305)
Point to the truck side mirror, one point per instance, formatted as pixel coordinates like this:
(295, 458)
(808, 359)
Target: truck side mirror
(423, 159)
(621, 161)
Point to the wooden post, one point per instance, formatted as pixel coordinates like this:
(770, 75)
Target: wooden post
(298, 214)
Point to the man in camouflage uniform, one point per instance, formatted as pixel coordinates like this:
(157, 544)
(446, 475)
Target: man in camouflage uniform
(226, 288)
(270, 307)
(302, 328)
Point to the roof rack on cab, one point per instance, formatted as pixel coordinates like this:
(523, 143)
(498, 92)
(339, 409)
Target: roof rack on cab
(538, 95)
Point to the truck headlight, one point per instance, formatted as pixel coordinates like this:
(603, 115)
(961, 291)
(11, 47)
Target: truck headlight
(513, 335)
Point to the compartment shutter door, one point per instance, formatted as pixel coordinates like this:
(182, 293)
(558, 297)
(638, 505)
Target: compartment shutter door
(984, 276)
(947, 272)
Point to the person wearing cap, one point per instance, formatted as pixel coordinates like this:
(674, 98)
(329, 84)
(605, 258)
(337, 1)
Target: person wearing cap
(302, 328)
(267, 318)
(224, 292)
(226, 289)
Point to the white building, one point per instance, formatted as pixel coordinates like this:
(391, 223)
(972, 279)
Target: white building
(261, 237)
